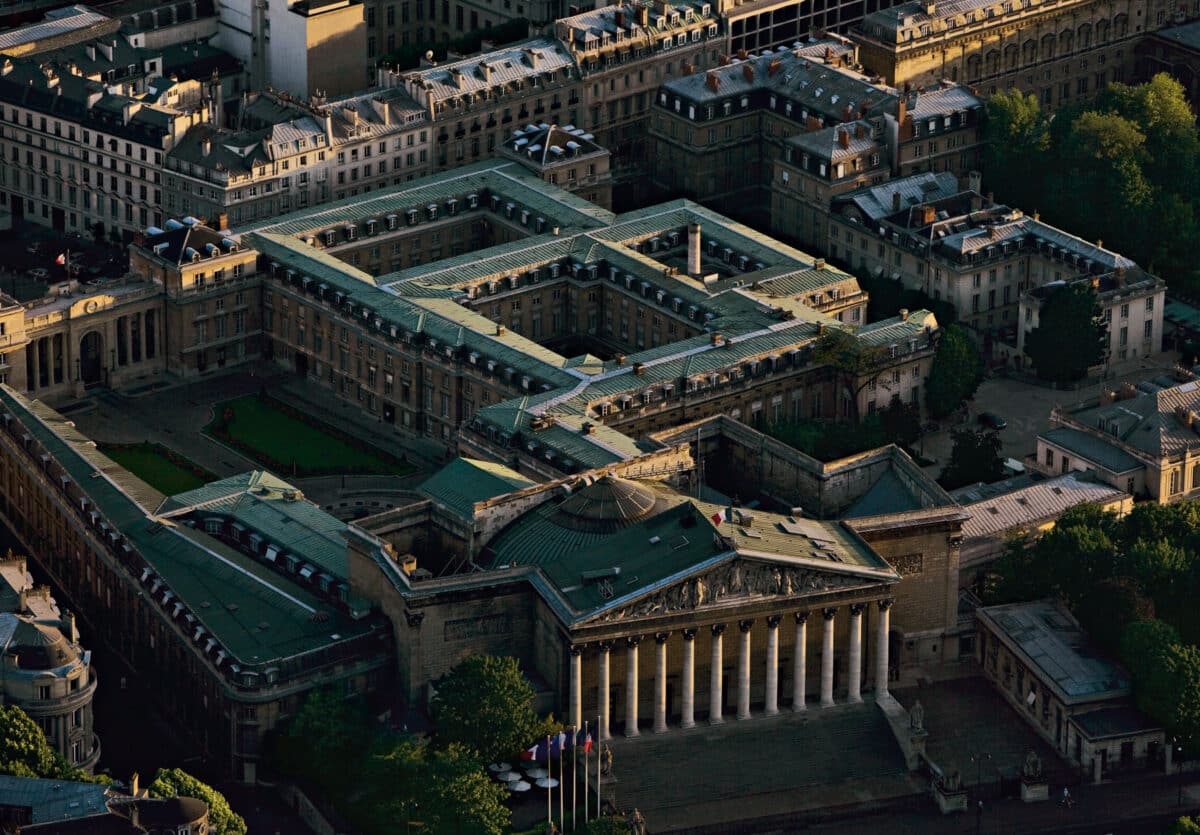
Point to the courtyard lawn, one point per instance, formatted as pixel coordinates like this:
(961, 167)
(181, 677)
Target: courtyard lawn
(167, 472)
(290, 445)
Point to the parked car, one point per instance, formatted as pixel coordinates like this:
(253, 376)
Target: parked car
(992, 420)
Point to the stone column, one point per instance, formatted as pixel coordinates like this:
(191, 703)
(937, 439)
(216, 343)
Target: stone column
(743, 697)
(602, 690)
(771, 706)
(714, 681)
(36, 344)
(854, 678)
(881, 648)
(687, 704)
(576, 692)
(827, 658)
(143, 338)
(660, 682)
(128, 340)
(631, 685)
(800, 662)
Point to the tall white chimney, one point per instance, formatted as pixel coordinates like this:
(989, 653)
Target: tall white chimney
(694, 250)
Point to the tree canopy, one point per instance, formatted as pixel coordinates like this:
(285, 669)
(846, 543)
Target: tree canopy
(956, 372)
(25, 751)
(1132, 582)
(974, 457)
(1122, 169)
(486, 704)
(1069, 338)
(174, 782)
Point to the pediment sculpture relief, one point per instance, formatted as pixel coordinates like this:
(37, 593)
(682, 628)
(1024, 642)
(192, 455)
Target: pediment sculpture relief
(732, 582)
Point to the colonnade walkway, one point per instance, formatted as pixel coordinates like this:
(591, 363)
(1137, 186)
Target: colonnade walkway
(838, 756)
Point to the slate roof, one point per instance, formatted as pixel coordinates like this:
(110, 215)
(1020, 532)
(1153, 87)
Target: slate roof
(1148, 422)
(1033, 504)
(1051, 642)
(826, 143)
(54, 800)
(1099, 451)
(877, 202)
(465, 481)
(178, 244)
(536, 143)
(506, 65)
(56, 24)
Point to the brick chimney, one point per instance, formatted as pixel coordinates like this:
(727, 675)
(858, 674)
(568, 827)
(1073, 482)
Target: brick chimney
(860, 131)
(895, 201)
(748, 73)
(928, 215)
(775, 66)
(843, 136)
(812, 123)
(712, 81)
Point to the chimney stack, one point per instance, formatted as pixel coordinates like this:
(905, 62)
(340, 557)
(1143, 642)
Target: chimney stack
(748, 73)
(712, 81)
(928, 215)
(68, 626)
(694, 250)
(895, 201)
(133, 784)
(860, 132)
(904, 314)
(844, 137)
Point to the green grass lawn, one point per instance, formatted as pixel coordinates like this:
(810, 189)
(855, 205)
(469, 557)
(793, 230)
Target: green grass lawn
(150, 463)
(284, 442)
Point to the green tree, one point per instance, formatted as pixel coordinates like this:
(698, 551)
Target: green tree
(1016, 141)
(1185, 826)
(1069, 338)
(956, 372)
(174, 782)
(900, 423)
(323, 743)
(24, 751)
(857, 364)
(485, 703)
(974, 457)
(446, 790)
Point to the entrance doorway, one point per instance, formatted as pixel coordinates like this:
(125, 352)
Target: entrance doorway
(91, 358)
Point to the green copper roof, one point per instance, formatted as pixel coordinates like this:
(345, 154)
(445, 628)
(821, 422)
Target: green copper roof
(257, 615)
(465, 481)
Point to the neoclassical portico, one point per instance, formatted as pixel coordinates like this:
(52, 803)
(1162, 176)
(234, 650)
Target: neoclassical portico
(754, 670)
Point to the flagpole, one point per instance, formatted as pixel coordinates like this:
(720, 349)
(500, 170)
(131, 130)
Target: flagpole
(549, 791)
(599, 756)
(574, 775)
(562, 787)
(586, 764)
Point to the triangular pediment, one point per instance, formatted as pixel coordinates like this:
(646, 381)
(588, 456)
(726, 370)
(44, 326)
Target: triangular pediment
(733, 583)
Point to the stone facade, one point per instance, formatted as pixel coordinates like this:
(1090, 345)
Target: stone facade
(1060, 51)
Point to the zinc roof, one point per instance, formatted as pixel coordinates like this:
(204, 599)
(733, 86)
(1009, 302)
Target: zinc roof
(1033, 504)
(877, 202)
(1099, 451)
(54, 800)
(1049, 640)
(504, 66)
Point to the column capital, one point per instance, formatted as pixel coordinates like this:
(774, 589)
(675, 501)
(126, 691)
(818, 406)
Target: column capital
(718, 629)
(745, 625)
(576, 650)
(886, 603)
(829, 613)
(801, 617)
(633, 640)
(689, 634)
(773, 621)
(661, 637)
(856, 609)
(605, 646)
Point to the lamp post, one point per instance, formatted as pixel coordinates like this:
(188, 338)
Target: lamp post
(978, 760)
(1178, 769)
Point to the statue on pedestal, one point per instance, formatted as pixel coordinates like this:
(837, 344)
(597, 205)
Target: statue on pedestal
(637, 824)
(1032, 769)
(916, 717)
(606, 760)
(952, 782)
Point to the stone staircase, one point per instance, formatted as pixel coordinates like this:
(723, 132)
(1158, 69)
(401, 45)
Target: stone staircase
(821, 757)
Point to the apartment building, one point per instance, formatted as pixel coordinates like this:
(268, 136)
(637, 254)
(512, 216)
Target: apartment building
(287, 155)
(84, 136)
(624, 53)
(1130, 300)
(960, 248)
(474, 104)
(1060, 50)
(567, 157)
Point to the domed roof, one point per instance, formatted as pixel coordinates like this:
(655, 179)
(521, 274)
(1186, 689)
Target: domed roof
(38, 646)
(608, 504)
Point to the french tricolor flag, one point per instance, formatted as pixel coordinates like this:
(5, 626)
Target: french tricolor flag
(535, 752)
(720, 516)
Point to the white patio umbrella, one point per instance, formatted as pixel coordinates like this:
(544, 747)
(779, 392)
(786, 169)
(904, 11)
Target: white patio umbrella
(508, 777)
(519, 786)
(537, 772)
(498, 768)
(547, 783)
